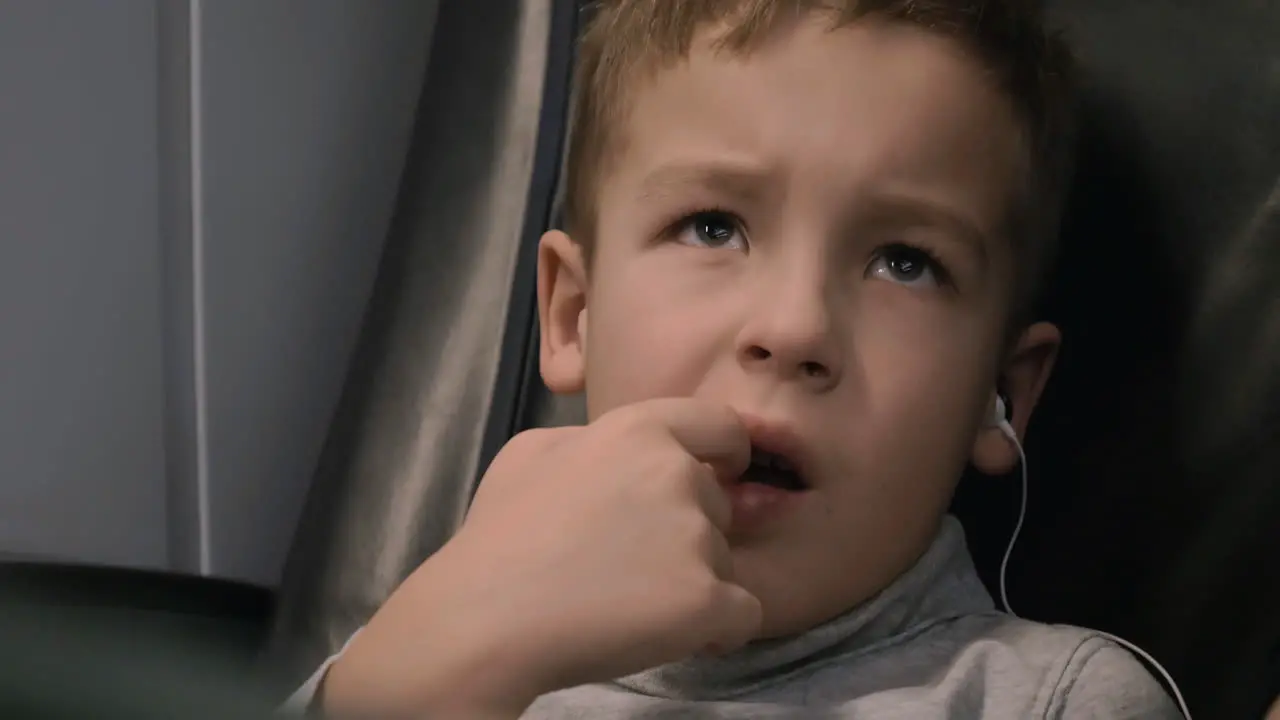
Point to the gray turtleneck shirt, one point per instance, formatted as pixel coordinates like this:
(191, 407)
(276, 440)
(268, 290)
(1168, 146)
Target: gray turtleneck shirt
(930, 646)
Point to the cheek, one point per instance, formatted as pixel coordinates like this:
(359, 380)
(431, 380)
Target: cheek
(652, 335)
(923, 380)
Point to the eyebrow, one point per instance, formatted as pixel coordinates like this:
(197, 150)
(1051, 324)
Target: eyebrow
(744, 181)
(899, 208)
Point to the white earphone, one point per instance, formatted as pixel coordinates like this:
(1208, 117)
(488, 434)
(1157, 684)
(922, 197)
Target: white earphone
(999, 419)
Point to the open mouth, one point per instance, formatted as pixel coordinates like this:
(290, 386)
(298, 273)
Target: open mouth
(773, 470)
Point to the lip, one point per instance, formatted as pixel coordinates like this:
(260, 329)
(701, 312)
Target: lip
(780, 439)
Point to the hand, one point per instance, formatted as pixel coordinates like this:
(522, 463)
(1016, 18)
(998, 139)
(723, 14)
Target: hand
(589, 553)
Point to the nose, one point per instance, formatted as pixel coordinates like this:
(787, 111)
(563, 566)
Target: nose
(792, 334)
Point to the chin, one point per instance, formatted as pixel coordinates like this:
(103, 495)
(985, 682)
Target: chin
(787, 613)
(784, 622)
(794, 598)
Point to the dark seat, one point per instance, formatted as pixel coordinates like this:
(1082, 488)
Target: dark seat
(1154, 460)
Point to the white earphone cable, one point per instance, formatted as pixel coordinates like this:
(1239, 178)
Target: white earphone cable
(1009, 432)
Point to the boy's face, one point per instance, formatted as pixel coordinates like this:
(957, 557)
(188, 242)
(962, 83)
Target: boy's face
(812, 235)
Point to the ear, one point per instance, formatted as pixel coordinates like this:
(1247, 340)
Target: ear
(562, 313)
(1023, 379)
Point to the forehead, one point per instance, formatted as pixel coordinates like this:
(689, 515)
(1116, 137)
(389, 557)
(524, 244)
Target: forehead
(873, 106)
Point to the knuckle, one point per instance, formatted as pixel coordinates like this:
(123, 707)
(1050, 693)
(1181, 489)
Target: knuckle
(684, 466)
(694, 531)
(725, 415)
(669, 467)
(528, 441)
(626, 419)
(681, 475)
(704, 595)
(707, 538)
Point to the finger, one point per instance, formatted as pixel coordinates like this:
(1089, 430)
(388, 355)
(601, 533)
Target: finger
(718, 556)
(721, 557)
(714, 434)
(713, 500)
(735, 621)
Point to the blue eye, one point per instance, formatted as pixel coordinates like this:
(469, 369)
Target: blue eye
(712, 229)
(907, 265)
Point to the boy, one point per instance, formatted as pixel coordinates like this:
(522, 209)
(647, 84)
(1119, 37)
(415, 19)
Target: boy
(801, 241)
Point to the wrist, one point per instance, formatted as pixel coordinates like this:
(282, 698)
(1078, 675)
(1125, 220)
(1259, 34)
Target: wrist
(491, 667)
(359, 693)
(442, 646)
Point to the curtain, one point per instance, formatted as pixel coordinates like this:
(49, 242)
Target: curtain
(433, 388)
